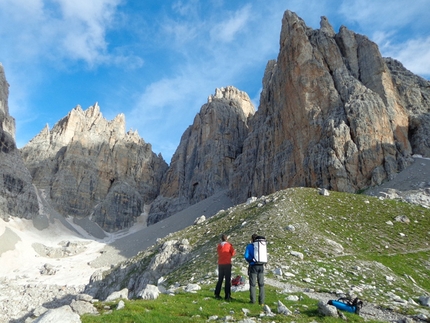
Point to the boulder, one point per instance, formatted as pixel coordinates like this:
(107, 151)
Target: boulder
(61, 314)
(149, 292)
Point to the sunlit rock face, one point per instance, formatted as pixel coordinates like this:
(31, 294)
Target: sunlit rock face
(203, 163)
(333, 113)
(17, 195)
(90, 167)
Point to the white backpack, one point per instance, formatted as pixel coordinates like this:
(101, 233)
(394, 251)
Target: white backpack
(260, 250)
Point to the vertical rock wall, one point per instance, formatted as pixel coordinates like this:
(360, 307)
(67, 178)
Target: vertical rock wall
(329, 116)
(203, 163)
(17, 195)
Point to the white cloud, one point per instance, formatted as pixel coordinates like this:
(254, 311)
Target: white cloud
(413, 54)
(226, 30)
(58, 29)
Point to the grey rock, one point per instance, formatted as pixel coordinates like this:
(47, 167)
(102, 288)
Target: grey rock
(18, 197)
(327, 310)
(123, 293)
(200, 220)
(425, 300)
(192, 288)
(61, 314)
(282, 309)
(149, 292)
(121, 305)
(297, 254)
(82, 307)
(48, 270)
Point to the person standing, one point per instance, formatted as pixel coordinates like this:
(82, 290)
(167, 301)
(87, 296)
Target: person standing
(255, 273)
(225, 252)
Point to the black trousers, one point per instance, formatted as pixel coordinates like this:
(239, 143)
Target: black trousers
(224, 271)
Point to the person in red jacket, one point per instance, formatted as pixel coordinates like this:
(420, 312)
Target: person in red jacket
(225, 252)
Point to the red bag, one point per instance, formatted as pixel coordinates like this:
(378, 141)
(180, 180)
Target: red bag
(237, 281)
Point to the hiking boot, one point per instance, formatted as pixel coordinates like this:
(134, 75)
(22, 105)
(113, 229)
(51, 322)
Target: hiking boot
(229, 299)
(217, 297)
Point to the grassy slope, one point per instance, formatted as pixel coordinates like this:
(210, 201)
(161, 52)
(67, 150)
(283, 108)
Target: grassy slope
(378, 259)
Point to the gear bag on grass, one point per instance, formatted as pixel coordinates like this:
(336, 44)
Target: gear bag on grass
(346, 304)
(238, 280)
(260, 250)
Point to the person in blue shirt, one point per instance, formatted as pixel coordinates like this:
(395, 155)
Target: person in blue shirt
(255, 273)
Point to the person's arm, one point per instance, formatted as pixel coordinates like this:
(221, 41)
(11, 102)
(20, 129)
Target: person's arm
(232, 251)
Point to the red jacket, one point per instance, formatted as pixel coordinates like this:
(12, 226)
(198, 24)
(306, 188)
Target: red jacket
(225, 252)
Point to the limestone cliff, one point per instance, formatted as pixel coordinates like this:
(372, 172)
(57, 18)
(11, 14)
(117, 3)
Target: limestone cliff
(88, 166)
(203, 163)
(17, 194)
(332, 114)
(414, 94)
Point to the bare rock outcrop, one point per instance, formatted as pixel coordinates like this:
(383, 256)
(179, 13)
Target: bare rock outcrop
(414, 95)
(88, 166)
(17, 194)
(203, 163)
(332, 114)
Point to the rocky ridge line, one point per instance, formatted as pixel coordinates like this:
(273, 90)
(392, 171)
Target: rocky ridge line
(88, 166)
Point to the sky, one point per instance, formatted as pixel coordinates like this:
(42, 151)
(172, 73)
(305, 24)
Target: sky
(157, 61)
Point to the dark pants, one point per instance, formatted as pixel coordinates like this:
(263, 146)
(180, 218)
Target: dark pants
(224, 271)
(256, 275)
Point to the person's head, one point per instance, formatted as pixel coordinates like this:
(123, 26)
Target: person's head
(224, 237)
(253, 237)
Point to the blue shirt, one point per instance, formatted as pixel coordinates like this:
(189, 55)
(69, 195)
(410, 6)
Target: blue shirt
(249, 254)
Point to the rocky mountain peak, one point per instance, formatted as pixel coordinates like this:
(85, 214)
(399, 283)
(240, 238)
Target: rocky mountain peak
(231, 93)
(331, 115)
(203, 163)
(90, 167)
(326, 27)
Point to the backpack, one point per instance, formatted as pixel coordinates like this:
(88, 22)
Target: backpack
(238, 280)
(346, 304)
(260, 250)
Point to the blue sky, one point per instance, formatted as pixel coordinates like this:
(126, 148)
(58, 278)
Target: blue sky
(158, 61)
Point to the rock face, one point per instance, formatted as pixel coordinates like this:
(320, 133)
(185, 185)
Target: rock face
(414, 95)
(88, 166)
(203, 163)
(17, 194)
(332, 114)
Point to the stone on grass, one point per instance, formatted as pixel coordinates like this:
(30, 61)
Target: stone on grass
(82, 307)
(327, 310)
(424, 300)
(123, 293)
(121, 305)
(149, 292)
(192, 288)
(282, 309)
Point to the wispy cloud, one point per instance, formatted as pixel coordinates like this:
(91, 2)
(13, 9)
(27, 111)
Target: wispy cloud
(414, 54)
(59, 29)
(228, 29)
